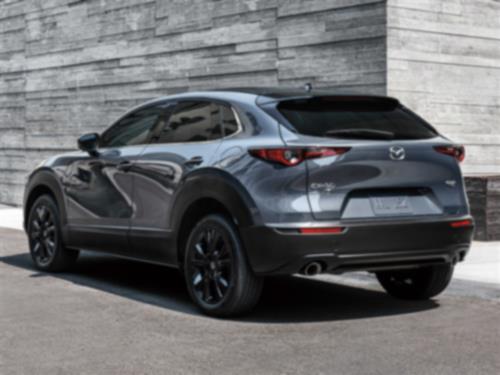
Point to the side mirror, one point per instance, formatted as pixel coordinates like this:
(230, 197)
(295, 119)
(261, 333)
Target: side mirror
(89, 143)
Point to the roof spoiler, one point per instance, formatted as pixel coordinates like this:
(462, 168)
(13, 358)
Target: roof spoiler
(336, 100)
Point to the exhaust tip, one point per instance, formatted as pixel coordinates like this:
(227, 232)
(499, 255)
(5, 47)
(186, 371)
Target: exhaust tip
(312, 269)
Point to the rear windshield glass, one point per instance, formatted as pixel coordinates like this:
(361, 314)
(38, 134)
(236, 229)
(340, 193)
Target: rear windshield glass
(369, 118)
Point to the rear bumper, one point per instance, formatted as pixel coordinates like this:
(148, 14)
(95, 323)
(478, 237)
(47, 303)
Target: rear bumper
(362, 246)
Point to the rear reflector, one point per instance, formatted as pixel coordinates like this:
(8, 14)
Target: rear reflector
(461, 223)
(332, 230)
(458, 152)
(293, 156)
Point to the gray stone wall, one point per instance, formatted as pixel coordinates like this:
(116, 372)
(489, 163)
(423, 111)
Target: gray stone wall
(72, 66)
(444, 62)
(484, 198)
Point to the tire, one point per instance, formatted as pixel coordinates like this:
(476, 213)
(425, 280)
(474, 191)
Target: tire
(416, 284)
(44, 236)
(218, 276)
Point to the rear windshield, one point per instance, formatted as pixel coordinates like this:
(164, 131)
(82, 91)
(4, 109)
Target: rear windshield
(368, 118)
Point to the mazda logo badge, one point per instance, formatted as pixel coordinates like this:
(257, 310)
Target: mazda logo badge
(397, 153)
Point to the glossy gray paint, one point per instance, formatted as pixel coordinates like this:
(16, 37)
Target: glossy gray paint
(125, 200)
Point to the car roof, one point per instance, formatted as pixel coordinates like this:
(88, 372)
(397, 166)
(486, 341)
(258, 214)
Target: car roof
(271, 92)
(262, 95)
(259, 95)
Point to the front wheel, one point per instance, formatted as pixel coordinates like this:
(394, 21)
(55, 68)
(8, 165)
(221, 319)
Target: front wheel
(419, 283)
(218, 276)
(44, 232)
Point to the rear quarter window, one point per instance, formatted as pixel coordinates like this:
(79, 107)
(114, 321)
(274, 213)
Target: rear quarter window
(365, 118)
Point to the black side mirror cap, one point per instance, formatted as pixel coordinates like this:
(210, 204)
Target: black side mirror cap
(89, 143)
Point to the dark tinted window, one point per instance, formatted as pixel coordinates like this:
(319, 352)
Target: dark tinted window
(229, 121)
(193, 122)
(354, 118)
(133, 129)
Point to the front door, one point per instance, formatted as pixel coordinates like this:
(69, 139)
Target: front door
(99, 189)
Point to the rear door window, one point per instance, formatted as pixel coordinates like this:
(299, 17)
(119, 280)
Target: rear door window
(193, 121)
(357, 118)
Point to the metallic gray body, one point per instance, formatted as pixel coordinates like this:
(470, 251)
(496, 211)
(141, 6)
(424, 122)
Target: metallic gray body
(130, 200)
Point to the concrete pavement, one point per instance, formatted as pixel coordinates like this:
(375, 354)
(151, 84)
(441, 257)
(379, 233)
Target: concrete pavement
(482, 263)
(11, 217)
(112, 316)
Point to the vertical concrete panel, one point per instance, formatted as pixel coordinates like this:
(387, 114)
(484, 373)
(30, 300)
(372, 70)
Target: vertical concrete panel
(444, 62)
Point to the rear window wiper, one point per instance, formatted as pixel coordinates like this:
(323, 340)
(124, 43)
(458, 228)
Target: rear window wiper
(359, 133)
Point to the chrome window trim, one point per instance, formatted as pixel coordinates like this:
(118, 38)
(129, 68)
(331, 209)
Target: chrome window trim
(238, 123)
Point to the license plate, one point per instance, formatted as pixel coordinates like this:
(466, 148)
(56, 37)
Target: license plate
(387, 206)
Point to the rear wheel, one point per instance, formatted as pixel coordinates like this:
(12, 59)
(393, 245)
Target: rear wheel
(419, 283)
(44, 233)
(218, 276)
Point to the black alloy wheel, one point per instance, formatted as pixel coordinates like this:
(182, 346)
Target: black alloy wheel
(218, 276)
(211, 265)
(44, 233)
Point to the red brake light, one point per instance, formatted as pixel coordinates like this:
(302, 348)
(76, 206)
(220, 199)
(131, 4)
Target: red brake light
(461, 223)
(282, 156)
(332, 230)
(458, 152)
(293, 156)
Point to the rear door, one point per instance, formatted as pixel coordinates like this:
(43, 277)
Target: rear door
(391, 169)
(187, 142)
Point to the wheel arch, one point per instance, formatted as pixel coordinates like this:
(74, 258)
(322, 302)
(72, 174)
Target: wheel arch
(42, 182)
(205, 192)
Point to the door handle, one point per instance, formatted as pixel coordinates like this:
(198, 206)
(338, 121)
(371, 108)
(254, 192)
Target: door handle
(124, 166)
(196, 160)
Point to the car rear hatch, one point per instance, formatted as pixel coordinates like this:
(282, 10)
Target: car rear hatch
(385, 163)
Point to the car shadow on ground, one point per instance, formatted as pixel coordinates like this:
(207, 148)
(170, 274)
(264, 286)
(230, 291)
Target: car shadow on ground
(284, 299)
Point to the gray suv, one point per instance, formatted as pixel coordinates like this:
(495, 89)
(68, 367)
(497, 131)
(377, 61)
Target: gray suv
(232, 185)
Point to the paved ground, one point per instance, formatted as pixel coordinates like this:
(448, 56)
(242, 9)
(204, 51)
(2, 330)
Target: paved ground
(111, 316)
(11, 217)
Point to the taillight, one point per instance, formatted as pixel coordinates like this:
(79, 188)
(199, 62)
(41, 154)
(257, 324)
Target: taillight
(293, 156)
(458, 152)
